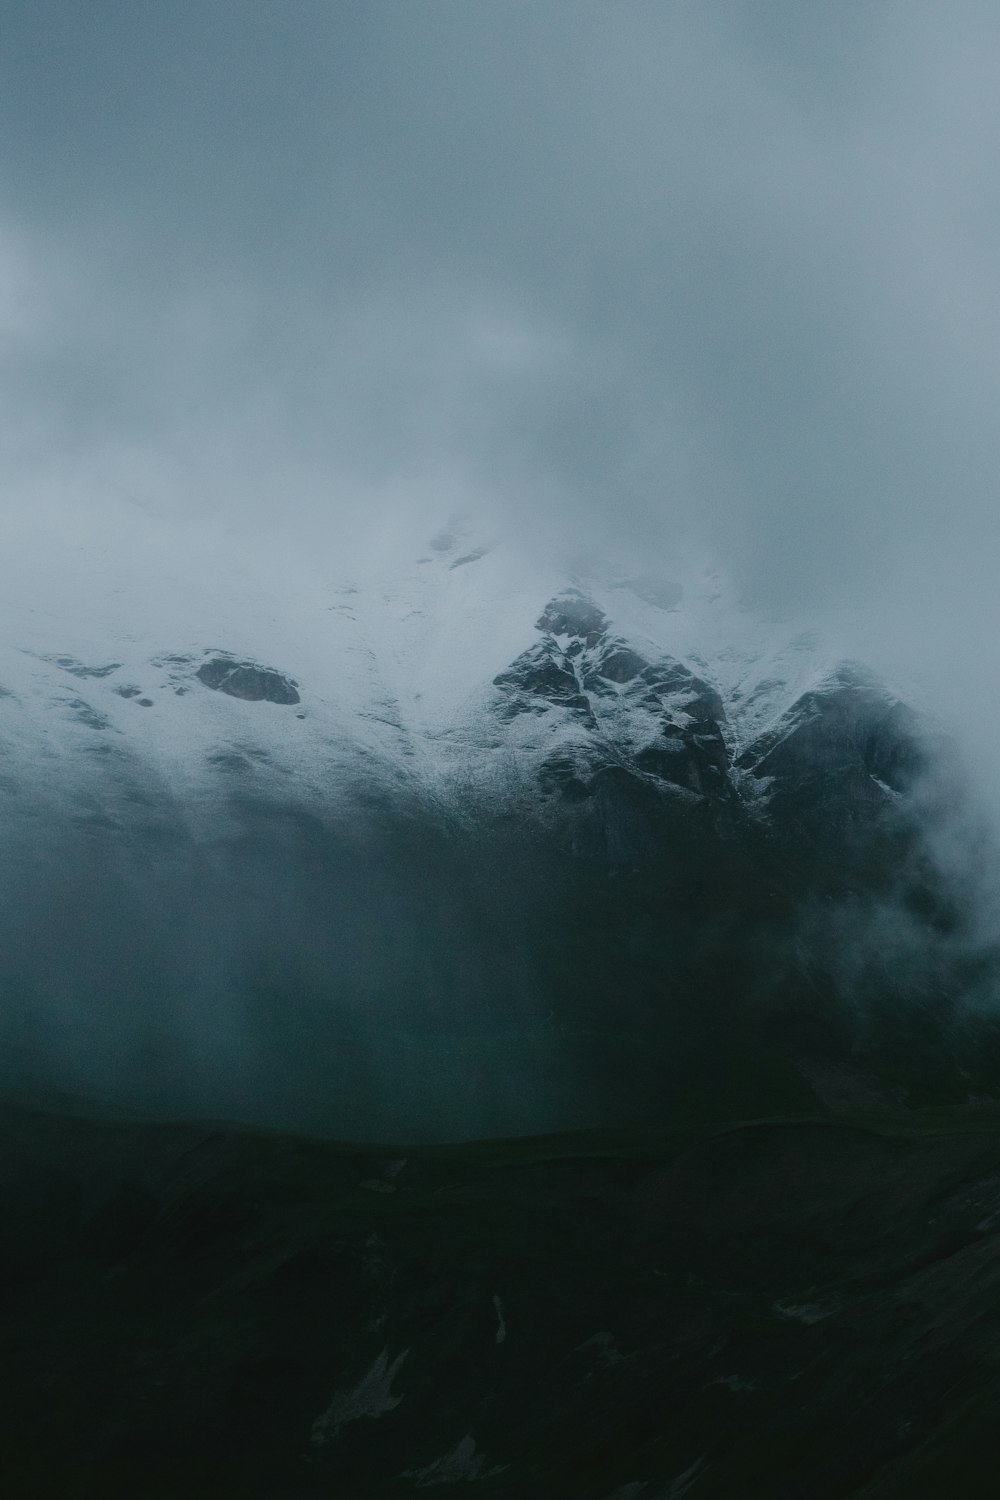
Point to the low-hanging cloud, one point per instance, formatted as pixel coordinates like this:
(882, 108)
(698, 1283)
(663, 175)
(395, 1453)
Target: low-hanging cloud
(632, 272)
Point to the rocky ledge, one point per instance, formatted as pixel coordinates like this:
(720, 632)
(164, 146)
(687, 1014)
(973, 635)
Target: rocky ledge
(248, 680)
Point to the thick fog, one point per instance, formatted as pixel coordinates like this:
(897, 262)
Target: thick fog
(628, 278)
(631, 269)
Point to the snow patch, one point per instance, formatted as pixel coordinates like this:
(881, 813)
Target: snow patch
(685, 1481)
(371, 1397)
(461, 1463)
(736, 1383)
(501, 1333)
(807, 1312)
(890, 791)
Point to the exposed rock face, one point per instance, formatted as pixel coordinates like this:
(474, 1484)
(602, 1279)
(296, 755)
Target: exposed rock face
(841, 758)
(642, 739)
(542, 677)
(643, 748)
(572, 614)
(249, 680)
(80, 669)
(85, 714)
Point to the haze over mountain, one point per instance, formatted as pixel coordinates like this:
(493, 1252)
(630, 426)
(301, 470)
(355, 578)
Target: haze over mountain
(619, 275)
(650, 295)
(498, 634)
(468, 839)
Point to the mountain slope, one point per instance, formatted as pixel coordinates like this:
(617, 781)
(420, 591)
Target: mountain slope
(771, 1309)
(466, 844)
(183, 668)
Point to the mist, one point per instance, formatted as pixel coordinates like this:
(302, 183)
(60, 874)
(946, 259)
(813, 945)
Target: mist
(286, 287)
(634, 270)
(499, 791)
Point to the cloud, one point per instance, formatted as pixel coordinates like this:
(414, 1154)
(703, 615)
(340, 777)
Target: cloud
(629, 271)
(627, 276)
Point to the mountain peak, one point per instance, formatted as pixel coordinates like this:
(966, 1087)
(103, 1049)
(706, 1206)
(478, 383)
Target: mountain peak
(573, 614)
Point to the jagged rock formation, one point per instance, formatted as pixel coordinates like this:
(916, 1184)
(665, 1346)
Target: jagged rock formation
(845, 753)
(835, 766)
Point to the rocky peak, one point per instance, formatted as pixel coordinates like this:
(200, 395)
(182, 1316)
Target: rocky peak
(573, 614)
(627, 734)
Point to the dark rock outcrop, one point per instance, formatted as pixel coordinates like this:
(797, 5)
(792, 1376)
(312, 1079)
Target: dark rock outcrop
(80, 669)
(248, 680)
(84, 713)
(841, 759)
(572, 614)
(652, 748)
(655, 727)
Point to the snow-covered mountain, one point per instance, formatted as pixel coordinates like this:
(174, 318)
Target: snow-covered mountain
(447, 838)
(464, 676)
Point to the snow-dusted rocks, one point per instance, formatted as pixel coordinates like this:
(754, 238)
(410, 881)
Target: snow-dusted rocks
(638, 728)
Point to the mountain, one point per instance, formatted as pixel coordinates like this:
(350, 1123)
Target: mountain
(466, 843)
(466, 673)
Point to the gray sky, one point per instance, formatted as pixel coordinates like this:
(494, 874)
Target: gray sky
(632, 268)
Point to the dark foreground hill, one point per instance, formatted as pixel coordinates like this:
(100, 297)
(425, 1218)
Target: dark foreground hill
(783, 1309)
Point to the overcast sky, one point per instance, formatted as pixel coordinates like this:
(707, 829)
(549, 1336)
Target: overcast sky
(631, 268)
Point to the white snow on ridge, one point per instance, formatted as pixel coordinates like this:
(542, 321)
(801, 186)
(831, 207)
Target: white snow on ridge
(102, 631)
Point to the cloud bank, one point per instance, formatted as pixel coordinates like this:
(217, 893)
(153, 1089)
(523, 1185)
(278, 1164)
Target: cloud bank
(634, 273)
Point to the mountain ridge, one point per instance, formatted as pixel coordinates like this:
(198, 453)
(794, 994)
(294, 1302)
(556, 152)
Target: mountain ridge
(413, 685)
(464, 846)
